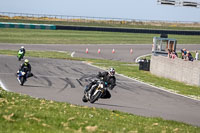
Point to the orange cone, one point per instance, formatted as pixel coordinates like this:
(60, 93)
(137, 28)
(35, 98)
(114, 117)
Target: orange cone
(113, 51)
(86, 50)
(131, 51)
(99, 51)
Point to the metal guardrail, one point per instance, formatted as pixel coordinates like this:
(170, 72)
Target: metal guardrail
(83, 18)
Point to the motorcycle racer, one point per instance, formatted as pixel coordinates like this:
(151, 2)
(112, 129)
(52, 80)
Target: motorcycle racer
(108, 77)
(26, 67)
(22, 49)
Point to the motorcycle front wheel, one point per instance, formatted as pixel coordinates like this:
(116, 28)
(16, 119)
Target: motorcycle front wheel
(84, 99)
(22, 81)
(19, 59)
(95, 97)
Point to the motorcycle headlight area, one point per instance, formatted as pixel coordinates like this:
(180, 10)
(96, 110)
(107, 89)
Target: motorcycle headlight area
(101, 85)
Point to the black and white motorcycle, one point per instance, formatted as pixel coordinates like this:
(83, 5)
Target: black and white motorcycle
(97, 91)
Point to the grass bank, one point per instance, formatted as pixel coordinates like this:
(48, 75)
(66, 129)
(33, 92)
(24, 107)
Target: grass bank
(31, 36)
(21, 113)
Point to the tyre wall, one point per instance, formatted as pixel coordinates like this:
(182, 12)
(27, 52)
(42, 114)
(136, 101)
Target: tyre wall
(176, 69)
(27, 26)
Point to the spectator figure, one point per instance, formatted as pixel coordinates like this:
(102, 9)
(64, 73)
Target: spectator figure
(196, 55)
(174, 54)
(183, 54)
(169, 53)
(189, 56)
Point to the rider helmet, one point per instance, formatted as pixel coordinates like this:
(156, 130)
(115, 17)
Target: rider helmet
(22, 46)
(26, 61)
(112, 71)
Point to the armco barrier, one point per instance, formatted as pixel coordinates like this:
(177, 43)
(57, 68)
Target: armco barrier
(27, 26)
(150, 31)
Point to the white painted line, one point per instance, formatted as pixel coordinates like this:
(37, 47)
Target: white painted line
(3, 86)
(146, 83)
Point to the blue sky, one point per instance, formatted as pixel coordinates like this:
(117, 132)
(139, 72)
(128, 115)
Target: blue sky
(133, 9)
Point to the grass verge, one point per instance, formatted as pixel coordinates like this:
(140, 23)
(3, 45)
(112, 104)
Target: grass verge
(31, 36)
(21, 113)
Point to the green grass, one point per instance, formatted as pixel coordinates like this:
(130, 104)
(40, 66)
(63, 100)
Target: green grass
(23, 114)
(31, 36)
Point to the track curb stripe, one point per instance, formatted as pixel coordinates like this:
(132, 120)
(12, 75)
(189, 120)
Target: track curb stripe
(3, 86)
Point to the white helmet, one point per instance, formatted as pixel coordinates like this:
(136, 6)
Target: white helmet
(22, 46)
(26, 61)
(112, 71)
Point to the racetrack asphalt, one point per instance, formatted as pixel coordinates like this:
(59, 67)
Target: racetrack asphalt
(64, 80)
(122, 51)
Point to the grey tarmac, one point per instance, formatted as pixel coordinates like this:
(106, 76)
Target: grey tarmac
(122, 51)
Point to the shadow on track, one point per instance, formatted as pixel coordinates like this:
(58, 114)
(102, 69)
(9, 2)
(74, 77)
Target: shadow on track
(32, 86)
(114, 105)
